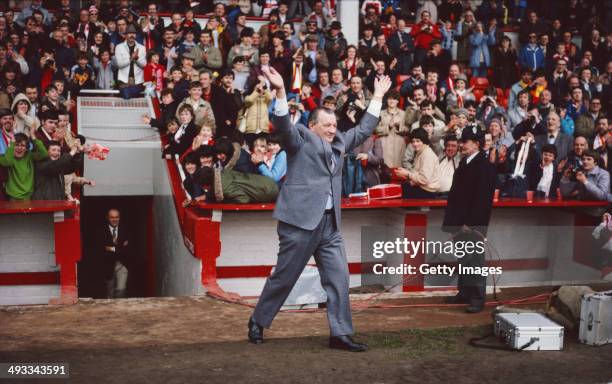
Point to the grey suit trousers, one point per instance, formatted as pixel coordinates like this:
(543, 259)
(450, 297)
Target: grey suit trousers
(296, 245)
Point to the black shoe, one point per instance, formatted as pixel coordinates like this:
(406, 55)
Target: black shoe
(474, 308)
(346, 344)
(255, 332)
(457, 299)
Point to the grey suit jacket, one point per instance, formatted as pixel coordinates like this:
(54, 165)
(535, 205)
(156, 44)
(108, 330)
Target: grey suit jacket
(563, 142)
(310, 177)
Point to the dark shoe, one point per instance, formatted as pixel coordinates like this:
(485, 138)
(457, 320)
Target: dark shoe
(457, 299)
(474, 308)
(255, 332)
(345, 343)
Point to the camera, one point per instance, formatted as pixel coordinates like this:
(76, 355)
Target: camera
(531, 119)
(49, 63)
(488, 101)
(351, 107)
(574, 171)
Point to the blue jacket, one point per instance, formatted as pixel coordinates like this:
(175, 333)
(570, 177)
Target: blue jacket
(480, 45)
(596, 188)
(531, 57)
(567, 126)
(278, 169)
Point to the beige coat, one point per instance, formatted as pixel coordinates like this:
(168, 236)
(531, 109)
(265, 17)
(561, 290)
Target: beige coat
(392, 130)
(203, 112)
(256, 112)
(24, 122)
(426, 170)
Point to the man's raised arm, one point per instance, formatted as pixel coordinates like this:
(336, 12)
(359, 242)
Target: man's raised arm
(368, 122)
(288, 133)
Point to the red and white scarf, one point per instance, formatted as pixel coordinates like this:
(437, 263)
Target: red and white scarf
(296, 78)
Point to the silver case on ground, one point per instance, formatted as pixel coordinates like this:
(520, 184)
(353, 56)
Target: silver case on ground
(518, 330)
(307, 292)
(596, 318)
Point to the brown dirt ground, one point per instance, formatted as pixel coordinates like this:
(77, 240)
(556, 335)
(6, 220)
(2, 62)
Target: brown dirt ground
(202, 340)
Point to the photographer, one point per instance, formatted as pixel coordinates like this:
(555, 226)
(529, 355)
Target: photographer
(574, 158)
(352, 104)
(489, 108)
(587, 183)
(423, 33)
(256, 111)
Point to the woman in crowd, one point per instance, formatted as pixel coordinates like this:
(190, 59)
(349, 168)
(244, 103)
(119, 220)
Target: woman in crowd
(422, 181)
(24, 122)
(352, 64)
(274, 162)
(195, 191)
(392, 130)
(480, 59)
(504, 64)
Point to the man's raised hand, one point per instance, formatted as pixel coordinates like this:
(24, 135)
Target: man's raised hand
(381, 86)
(275, 79)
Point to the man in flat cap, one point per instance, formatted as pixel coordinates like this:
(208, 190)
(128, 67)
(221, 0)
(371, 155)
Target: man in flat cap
(131, 59)
(468, 212)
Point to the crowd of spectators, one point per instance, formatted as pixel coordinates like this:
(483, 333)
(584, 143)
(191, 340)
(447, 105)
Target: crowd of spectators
(542, 97)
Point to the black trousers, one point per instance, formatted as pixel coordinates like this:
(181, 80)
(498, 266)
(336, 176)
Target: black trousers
(414, 192)
(472, 287)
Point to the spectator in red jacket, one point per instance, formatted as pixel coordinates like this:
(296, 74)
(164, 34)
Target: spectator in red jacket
(423, 33)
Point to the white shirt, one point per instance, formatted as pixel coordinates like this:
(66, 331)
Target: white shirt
(547, 176)
(110, 228)
(180, 132)
(446, 171)
(470, 157)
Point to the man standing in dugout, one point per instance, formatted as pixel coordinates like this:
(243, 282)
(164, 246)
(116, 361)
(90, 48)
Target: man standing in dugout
(467, 215)
(308, 212)
(114, 248)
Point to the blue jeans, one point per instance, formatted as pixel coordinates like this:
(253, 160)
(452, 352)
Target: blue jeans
(479, 71)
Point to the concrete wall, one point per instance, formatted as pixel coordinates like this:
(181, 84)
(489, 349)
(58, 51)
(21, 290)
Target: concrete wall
(250, 239)
(27, 245)
(178, 272)
(126, 172)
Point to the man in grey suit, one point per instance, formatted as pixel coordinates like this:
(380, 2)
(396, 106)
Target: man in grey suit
(554, 136)
(308, 212)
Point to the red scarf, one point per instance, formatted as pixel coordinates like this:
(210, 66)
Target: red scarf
(352, 70)
(296, 79)
(7, 137)
(431, 91)
(149, 42)
(158, 71)
(451, 84)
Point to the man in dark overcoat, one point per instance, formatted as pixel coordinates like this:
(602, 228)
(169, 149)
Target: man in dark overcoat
(468, 212)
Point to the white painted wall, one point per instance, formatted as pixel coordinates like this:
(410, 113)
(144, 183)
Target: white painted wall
(178, 272)
(27, 245)
(250, 238)
(348, 16)
(127, 171)
(28, 294)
